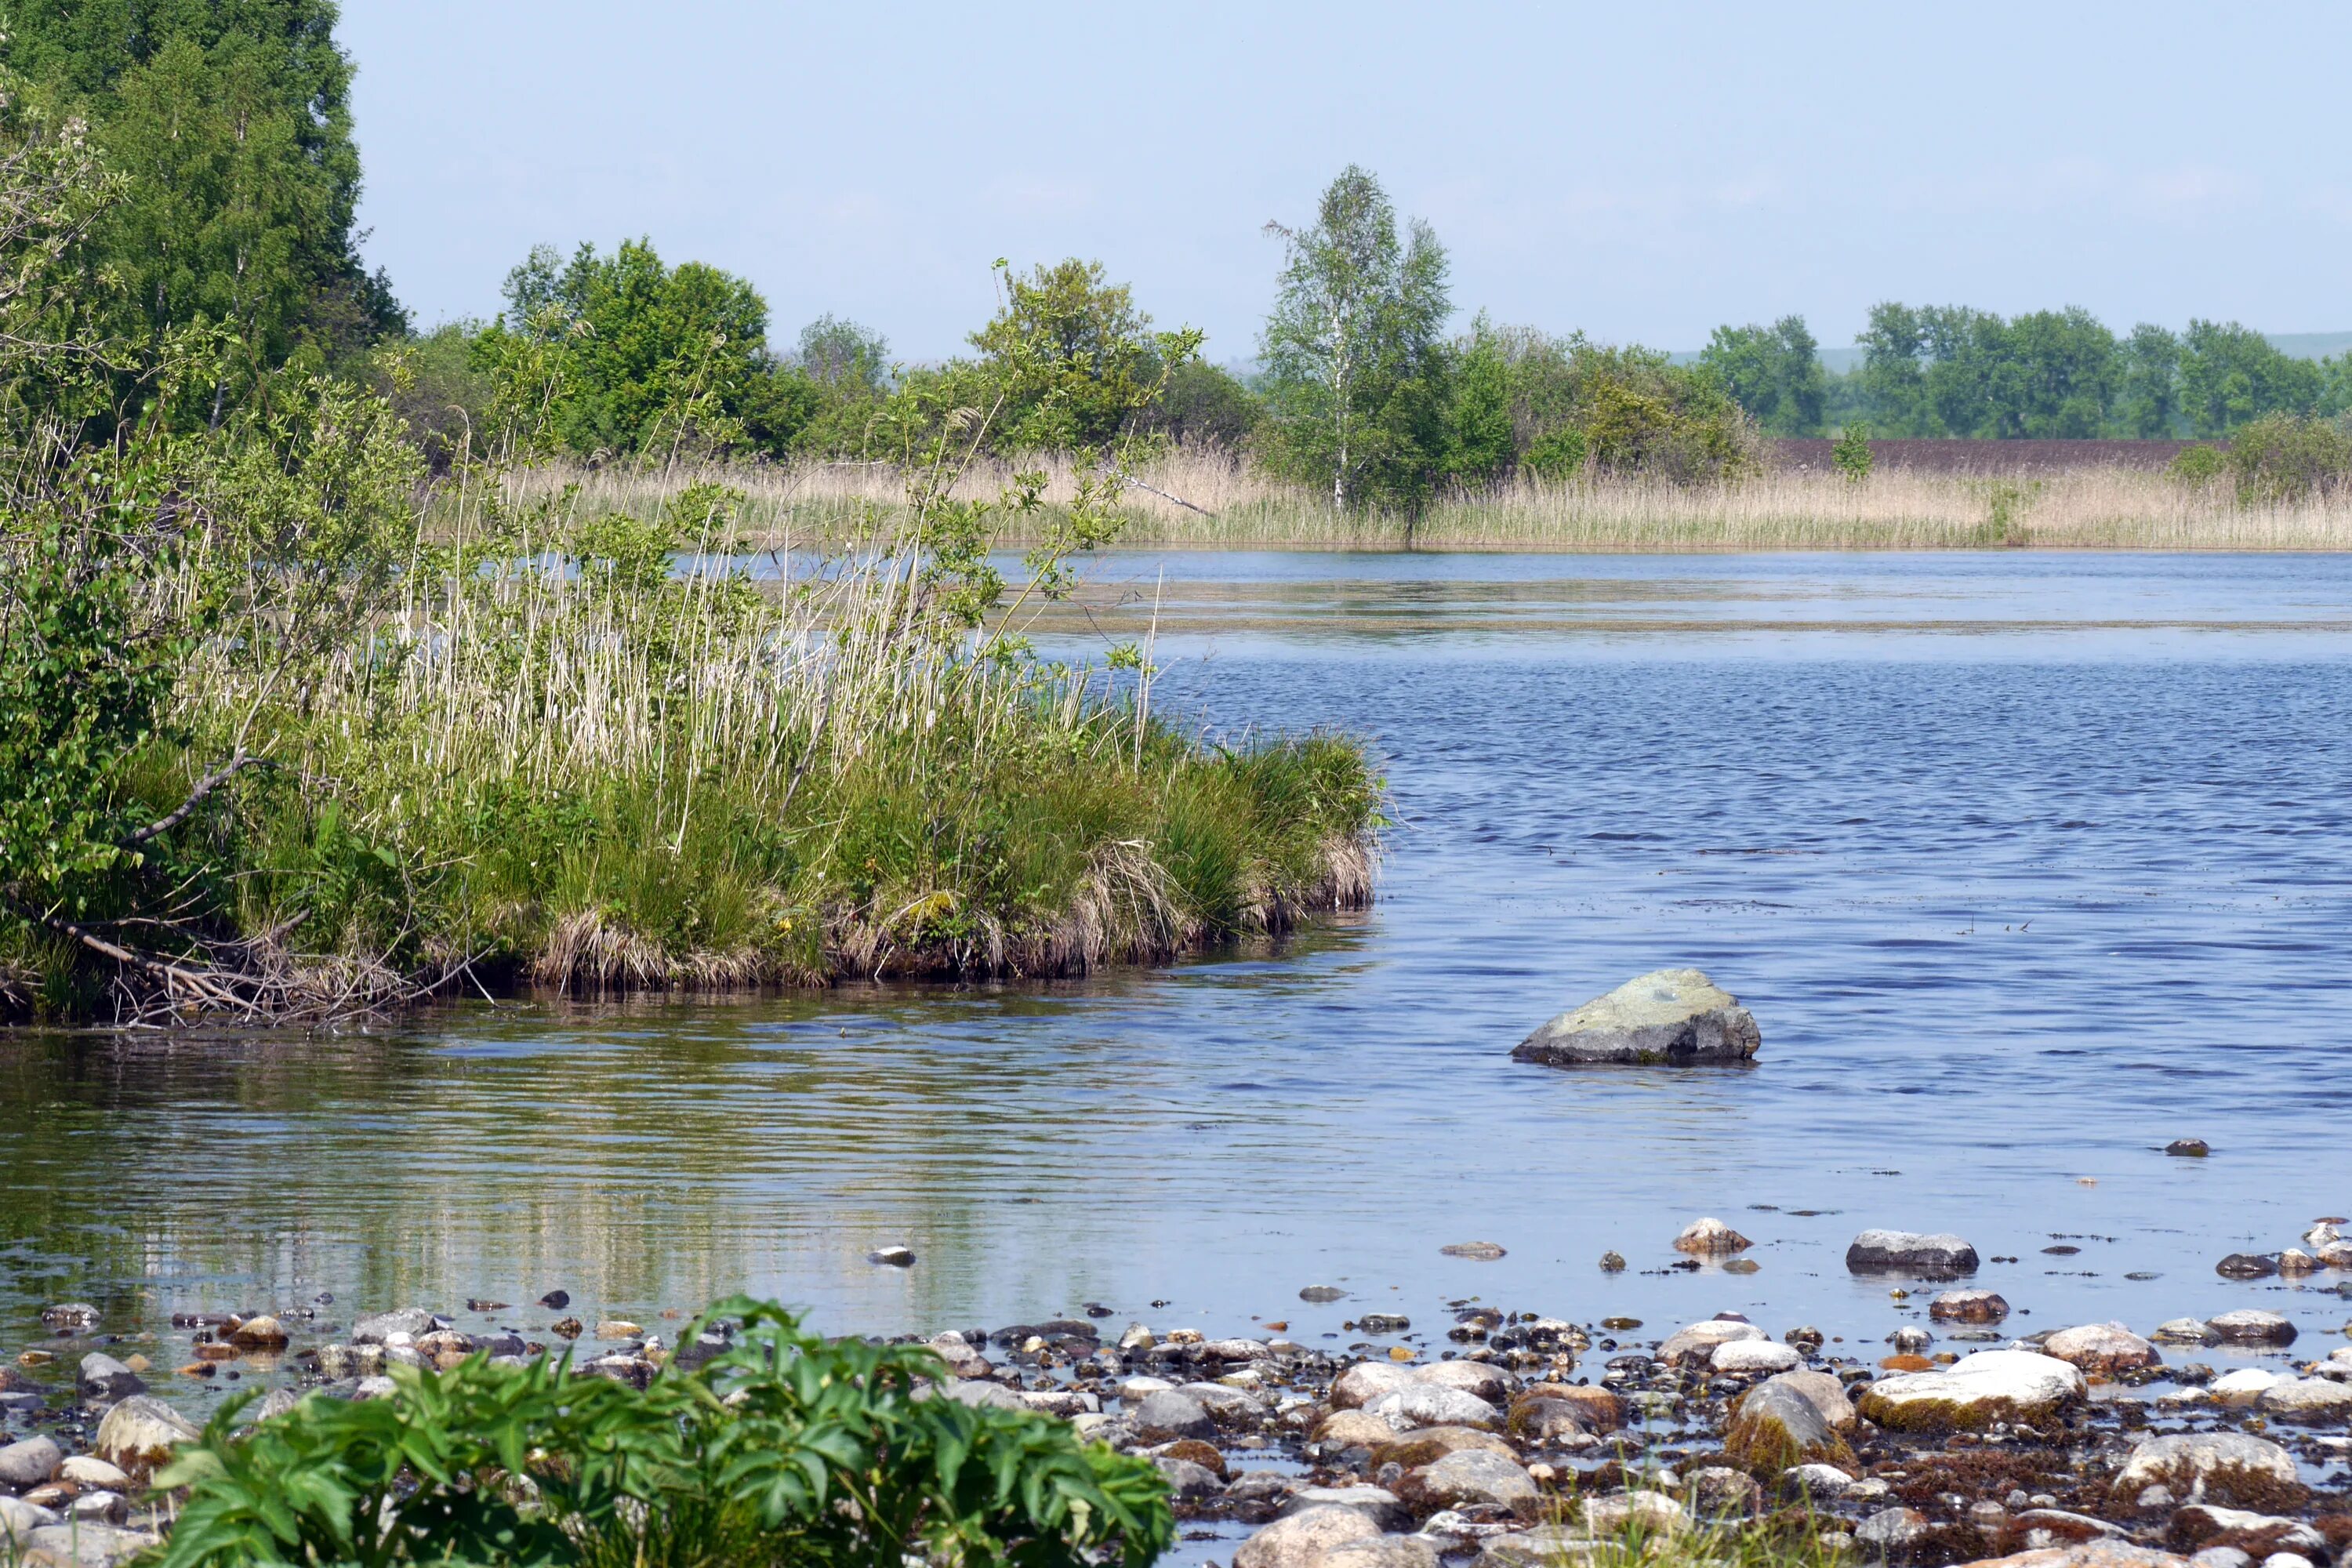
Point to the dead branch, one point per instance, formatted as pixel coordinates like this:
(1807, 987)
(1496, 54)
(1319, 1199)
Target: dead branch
(1164, 495)
(212, 781)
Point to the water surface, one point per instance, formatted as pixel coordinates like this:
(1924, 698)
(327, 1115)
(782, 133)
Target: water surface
(2026, 866)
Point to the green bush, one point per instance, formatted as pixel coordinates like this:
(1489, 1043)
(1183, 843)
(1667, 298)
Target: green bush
(2199, 464)
(1851, 455)
(785, 1449)
(2286, 457)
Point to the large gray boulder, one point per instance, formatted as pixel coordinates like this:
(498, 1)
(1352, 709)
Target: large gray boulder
(1676, 1016)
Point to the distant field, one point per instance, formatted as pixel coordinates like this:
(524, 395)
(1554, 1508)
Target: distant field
(1989, 459)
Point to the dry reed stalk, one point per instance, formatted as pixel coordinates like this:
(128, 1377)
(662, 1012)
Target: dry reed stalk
(2091, 508)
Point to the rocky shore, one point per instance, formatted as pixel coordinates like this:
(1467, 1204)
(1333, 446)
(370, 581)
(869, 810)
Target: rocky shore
(1496, 1437)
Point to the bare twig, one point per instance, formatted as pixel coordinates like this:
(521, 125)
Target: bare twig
(212, 781)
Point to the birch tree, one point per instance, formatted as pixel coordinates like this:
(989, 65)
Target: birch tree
(1353, 343)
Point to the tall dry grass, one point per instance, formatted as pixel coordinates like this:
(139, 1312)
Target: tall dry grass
(1233, 506)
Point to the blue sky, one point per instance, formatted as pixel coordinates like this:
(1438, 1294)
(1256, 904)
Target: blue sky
(1641, 172)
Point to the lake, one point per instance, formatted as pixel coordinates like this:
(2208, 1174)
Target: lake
(2025, 865)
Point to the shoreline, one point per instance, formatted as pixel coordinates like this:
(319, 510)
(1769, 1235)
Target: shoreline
(1490, 1437)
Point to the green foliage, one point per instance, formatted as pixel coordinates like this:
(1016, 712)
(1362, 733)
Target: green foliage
(2197, 464)
(2231, 376)
(1354, 362)
(627, 355)
(230, 127)
(1204, 406)
(785, 1448)
(1774, 372)
(1948, 370)
(1556, 454)
(1071, 358)
(1850, 454)
(87, 669)
(2282, 458)
(1481, 443)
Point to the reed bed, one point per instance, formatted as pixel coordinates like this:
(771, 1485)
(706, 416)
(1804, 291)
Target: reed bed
(555, 758)
(1209, 500)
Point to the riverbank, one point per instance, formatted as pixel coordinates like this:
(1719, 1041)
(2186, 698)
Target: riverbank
(1201, 502)
(1500, 1435)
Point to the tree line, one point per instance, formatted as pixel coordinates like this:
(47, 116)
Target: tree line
(228, 243)
(1952, 371)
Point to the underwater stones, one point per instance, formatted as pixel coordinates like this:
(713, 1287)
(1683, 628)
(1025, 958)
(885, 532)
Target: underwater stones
(1675, 1018)
(1476, 1251)
(1710, 1238)
(1941, 1255)
(70, 1315)
(2189, 1148)
(1974, 1392)
(1322, 1293)
(2185, 1331)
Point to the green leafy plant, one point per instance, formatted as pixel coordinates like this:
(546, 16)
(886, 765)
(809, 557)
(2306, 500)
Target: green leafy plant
(785, 1449)
(1851, 455)
(2197, 464)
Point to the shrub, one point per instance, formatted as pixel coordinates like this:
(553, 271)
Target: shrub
(1556, 454)
(2286, 457)
(783, 1448)
(1851, 455)
(2199, 464)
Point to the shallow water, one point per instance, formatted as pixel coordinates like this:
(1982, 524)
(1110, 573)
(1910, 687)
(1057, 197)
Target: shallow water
(2025, 866)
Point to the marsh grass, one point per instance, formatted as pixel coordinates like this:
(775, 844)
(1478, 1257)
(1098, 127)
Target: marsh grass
(569, 757)
(1231, 506)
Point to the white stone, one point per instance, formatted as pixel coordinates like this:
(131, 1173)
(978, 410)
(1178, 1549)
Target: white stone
(1749, 1356)
(1976, 1391)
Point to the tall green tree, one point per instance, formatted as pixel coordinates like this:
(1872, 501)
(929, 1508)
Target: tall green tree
(1774, 372)
(637, 356)
(1353, 351)
(230, 123)
(1073, 356)
(2233, 375)
(2147, 407)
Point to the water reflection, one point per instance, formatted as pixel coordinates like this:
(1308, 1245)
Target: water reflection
(2013, 911)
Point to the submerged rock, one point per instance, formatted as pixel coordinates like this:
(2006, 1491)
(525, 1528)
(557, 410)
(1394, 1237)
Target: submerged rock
(1710, 1238)
(1676, 1016)
(1969, 1306)
(2252, 1326)
(1941, 1255)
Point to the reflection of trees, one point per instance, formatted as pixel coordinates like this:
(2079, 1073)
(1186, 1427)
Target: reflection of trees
(640, 1154)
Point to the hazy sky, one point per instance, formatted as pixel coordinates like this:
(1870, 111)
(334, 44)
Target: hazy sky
(1643, 172)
